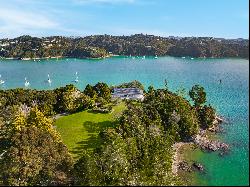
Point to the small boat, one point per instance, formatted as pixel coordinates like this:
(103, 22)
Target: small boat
(76, 79)
(183, 57)
(27, 83)
(143, 57)
(192, 58)
(1, 81)
(49, 81)
(156, 56)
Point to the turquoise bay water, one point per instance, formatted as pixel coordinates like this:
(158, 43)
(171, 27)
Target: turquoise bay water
(230, 98)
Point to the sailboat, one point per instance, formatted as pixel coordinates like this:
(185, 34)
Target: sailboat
(1, 81)
(76, 79)
(49, 81)
(27, 83)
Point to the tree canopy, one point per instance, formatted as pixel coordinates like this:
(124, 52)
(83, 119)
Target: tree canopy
(198, 95)
(137, 151)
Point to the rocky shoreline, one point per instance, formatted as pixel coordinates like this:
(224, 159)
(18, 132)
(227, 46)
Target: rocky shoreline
(202, 141)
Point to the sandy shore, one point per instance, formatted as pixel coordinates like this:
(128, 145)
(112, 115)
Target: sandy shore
(176, 155)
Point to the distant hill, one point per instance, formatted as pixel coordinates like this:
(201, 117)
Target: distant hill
(99, 46)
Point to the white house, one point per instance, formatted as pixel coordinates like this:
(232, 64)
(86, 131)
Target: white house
(128, 93)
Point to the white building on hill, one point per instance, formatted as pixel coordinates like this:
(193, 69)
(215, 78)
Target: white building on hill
(128, 93)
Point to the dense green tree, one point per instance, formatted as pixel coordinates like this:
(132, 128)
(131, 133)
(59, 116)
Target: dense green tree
(166, 104)
(83, 102)
(206, 116)
(32, 152)
(86, 171)
(150, 89)
(90, 91)
(32, 117)
(87, 52)
(198, 95)
(67, 98)
(45, 100)
(101, 101)
(132, 84)
(35, 158)
(102, 90)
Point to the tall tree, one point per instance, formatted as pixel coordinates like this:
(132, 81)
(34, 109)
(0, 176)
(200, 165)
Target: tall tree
(35, 158)
(33, 151)
(103, 90)
(198, 95)
(89, 91)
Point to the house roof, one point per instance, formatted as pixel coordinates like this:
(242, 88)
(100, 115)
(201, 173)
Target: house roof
(127, 91)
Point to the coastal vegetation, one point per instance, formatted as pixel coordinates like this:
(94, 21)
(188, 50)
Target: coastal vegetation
(132, 144)
(99, 46)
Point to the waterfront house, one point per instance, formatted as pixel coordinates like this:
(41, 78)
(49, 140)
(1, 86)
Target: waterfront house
(128, 93)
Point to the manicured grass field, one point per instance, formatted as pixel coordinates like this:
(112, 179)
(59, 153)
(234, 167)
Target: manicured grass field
(80, 131)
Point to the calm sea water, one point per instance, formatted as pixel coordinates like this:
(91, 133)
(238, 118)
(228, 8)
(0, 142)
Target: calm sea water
(230, 98)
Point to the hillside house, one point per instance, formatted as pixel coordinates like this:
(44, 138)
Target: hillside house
(128, 93)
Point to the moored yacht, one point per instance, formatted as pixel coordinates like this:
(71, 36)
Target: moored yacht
(27, 83)
(49, 80)
(76, 79)
(1, 81)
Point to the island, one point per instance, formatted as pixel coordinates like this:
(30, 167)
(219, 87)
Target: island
(101, 46)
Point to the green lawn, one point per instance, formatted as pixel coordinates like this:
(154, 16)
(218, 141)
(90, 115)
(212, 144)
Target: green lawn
(80, 131)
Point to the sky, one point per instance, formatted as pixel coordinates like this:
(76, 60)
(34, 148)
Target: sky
(213, 18)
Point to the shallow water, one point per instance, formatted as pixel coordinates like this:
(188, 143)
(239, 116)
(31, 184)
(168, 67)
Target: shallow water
(230, 97)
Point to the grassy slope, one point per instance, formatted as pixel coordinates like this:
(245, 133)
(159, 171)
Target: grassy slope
(80, 131)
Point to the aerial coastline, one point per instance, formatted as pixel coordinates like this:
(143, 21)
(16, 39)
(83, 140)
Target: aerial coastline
(106, 107)
(85, 71)
(124, 93)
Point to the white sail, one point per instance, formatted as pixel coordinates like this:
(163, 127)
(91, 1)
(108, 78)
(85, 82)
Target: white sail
(27, 83)
(76, 79)
(49, 80)
(1, 81)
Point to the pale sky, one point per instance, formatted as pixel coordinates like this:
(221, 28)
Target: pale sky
(215, 18)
